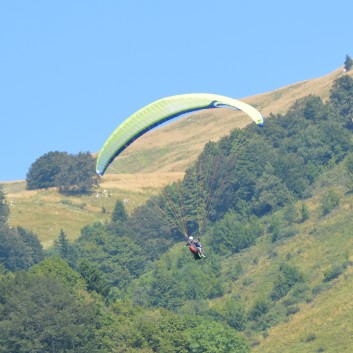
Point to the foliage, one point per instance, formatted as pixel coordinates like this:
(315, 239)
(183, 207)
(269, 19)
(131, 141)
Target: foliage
(70, 173)
(40, 314)
(304, 212)
(329, 201)
(213, 337)
(43, 172)
(62, 244)
(233, 313)
(271, 193)
(19, 249)
(77, 175)
(94, 278)
(119, 212)
(34, 247)
(287, 277)
(230, 235)
(341, 98)
(170, 285)
(59, 269)
(348, 63)
(334, 271)
(261, 307)
(4, 208)
(107, 251)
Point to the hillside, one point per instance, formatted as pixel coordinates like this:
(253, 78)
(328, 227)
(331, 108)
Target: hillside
(151, 162)
(279, 261)
(315, 315)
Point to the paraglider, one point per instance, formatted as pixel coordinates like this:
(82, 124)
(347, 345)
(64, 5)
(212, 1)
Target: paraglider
(209, 175)
(195, 247)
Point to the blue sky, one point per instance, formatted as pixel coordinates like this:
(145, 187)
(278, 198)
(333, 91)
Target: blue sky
(71, 71)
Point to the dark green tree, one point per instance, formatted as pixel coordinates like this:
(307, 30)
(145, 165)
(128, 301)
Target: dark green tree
(44, 171)
(270, 193)
(94, 278)
(35, 249)
(4, 208)
(329, 200)
(19, 249)
(304, 212)
(78, 175)
(349, 164)
(341, 98)
(348, 63)
(40, 314)
(230, 235)
(63, 246)
(119, 212)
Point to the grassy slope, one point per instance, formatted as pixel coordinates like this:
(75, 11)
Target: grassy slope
(327, 318)
(321, 242)
(324, 322)
(151, 162)
(45, 212)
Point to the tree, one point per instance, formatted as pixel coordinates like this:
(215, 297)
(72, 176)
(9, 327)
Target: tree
(60, 269)
(44, 171)
(230, 235)
(304, 212)
(94, 278)
(4, 208)
(119, 213)
(19, 249)
(70, 173)
(349, 164)
(270, 193)
(32, 242)
(329, 201)
(63, 245)
(41, 314)
(348, 63)
(341, 98)
(78, 175)
(213, 337)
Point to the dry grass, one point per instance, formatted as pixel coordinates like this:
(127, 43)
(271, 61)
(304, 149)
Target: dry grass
(139, 182)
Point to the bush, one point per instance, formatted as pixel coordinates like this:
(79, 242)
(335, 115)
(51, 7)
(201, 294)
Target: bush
(260, 308)
(287, 278)
(329, 201)
(334, 272)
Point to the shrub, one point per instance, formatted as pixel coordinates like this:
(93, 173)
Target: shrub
(329, 201)
(287, 278)
(334, 272)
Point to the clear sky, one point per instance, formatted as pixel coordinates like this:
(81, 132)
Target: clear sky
(71, 71)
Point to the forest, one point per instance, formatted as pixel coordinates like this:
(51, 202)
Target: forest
(130, 285)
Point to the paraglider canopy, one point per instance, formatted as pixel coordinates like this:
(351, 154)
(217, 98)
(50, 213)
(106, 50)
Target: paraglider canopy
(161, 111)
